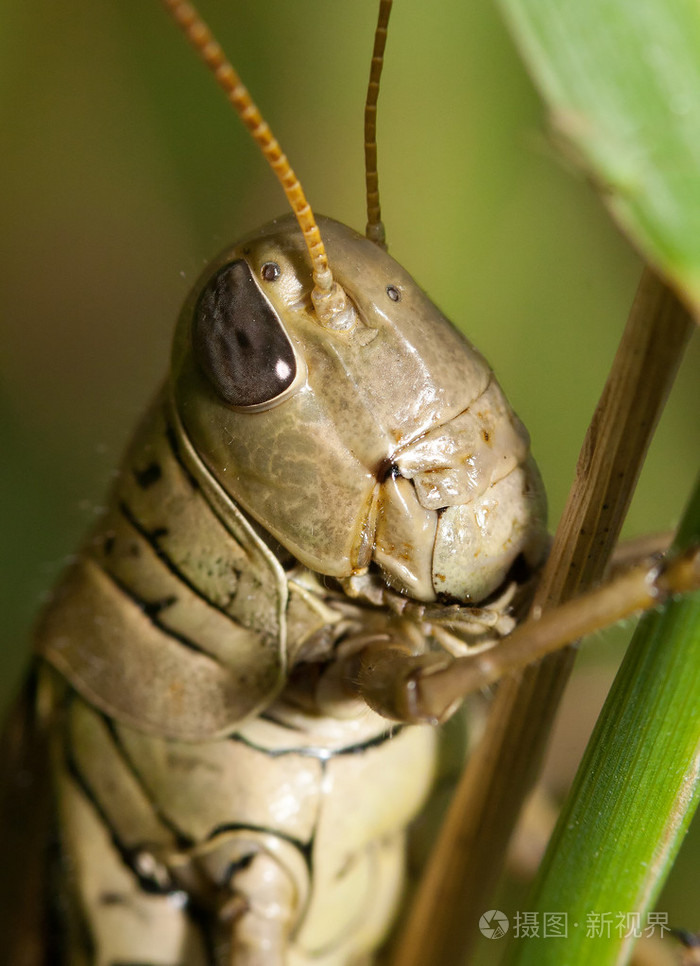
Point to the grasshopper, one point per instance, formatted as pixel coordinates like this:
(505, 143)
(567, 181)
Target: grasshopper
(187, 876)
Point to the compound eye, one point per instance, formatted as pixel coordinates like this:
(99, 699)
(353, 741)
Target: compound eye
(239, 341)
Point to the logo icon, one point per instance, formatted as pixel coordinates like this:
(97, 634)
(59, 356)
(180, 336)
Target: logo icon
(494, 924)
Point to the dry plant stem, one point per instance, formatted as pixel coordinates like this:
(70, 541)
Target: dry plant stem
(468, 857)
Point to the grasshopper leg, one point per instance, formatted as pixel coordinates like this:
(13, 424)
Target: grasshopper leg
(428, 688)
(262, 910)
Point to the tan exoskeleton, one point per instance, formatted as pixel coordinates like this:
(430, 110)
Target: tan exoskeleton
(337, 485)
(330, 464)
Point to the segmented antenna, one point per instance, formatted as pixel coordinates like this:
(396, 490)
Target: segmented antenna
(333, 309)
(375, 226)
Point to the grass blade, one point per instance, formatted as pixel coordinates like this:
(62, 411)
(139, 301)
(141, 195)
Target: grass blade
(622, 80)
(634, 795)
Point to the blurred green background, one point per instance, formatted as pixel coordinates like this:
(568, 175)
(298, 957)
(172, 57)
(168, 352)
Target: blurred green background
(124, 170)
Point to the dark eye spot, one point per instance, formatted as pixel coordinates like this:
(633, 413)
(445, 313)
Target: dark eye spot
(393, 293)
(239, 340)
(270, 271)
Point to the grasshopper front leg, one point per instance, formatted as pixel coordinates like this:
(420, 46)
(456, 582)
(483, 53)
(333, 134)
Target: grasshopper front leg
(275, 845)
(262, 911)
(110, 915)
(118, 916)
(429, 687)
(143, 889)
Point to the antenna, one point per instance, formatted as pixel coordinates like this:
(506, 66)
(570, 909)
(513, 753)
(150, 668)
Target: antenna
(375, 226)
(333, 308)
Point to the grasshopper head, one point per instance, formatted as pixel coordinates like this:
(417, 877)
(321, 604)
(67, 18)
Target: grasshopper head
(386, 443)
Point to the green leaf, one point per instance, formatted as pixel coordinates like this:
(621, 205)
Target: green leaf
(622, 79)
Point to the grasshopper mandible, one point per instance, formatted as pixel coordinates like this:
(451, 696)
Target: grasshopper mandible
(277, 259)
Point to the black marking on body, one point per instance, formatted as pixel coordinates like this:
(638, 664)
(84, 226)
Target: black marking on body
(182, 840)
(269, 716)
(152, 609)
(304, 848)
(152, 537)
(127, 854)
(201, 917)
(316, 751)
(239, 866)
(149, 476)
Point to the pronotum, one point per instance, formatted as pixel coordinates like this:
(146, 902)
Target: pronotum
(434, 245)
